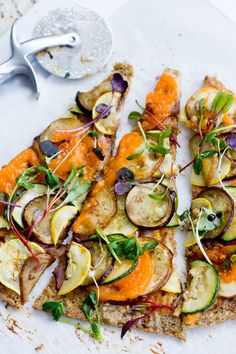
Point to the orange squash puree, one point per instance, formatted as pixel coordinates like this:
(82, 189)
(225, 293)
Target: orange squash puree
(217, 254)
(160, 102)
(128, 146)
(82, 155)
(227, 120)
(191, 319)
(131, 286)
(229, 275)
(15, 168)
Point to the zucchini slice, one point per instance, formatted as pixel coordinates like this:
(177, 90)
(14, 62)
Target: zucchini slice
(37, 191)
(174, 222)
(147, 212)
(120, 270)
(221, 202)
(203, 288)
(230, 233)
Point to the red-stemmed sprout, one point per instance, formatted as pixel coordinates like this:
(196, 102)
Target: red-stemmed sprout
(139, 305)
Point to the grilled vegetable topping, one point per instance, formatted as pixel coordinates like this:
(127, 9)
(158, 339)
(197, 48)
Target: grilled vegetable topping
(77, 268)
(150, 206)
(12, 257)
(162, 266)
(104, 208)
(31, 272)
(101, 262)
(37, 191)
(203, 288)
(223, 207)
(230, 233)
(34, 217)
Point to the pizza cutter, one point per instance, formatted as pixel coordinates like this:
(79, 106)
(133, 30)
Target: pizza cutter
(76, 43)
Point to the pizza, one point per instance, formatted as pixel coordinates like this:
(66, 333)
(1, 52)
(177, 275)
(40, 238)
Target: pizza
(210, 246)
(109, 216)
(44, 187)
(127, 224)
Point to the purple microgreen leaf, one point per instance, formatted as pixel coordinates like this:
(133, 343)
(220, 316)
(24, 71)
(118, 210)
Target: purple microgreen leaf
(126, 327)
(103, 109)
(118, 84)
(231, 141)
(122, 188)
(132, 322)
(99, 153)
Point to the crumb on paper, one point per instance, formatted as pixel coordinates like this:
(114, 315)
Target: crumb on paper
(39, 347)
(12, 325)
(157, 348)
(86, 59)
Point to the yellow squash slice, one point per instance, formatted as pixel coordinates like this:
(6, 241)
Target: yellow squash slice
(219, 175)
(108, 125)
(77, 268)
(60, 220)
(12, 257)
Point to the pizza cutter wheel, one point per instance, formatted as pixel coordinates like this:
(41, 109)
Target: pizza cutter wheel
(76, 43)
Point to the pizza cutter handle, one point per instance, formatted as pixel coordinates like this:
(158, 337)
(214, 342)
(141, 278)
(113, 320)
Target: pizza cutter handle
(34, 45)
(9, 69)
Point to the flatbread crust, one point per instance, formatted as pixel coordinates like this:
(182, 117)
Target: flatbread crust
(10, 297)
(112, 314)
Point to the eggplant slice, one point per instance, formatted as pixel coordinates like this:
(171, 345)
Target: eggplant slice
(146, 212)
(47, 134)
(162, 265)
(61, 123)
(97, 212)
(101, 261)
(31, 272)
(86, 100)
(222, 203)
(33, 210)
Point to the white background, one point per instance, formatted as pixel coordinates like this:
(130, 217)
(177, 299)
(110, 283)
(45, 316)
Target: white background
(192, 36)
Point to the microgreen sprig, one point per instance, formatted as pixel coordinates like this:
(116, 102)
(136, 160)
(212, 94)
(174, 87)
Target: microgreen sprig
(122, 246)
(90, 306)
(151, 147)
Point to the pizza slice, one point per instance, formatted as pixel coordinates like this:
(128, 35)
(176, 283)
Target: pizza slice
(210, 246)
(120, 267)
(44, 187)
